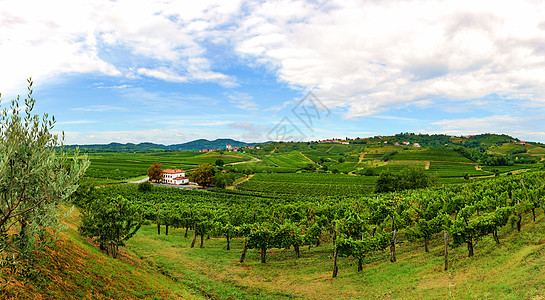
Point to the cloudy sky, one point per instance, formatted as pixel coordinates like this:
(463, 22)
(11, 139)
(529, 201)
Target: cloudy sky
(174, 71)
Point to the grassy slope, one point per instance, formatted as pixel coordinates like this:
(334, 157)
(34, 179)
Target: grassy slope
(511, 270)
(164, 267)
(76, 269)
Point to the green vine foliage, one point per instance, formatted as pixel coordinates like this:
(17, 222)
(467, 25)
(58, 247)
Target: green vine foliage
(111, 221)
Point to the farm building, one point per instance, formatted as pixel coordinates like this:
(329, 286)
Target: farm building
(175, 176)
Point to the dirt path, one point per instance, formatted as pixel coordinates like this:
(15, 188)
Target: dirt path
(427, 166)
(361, 156)
(244, 162)
(232, 187)
(309, 158)
(329, 149)
(273, 150)
(140, 181)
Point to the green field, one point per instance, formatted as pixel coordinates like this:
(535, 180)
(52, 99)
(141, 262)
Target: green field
(123, 166)
(456, 170)
(430, 155)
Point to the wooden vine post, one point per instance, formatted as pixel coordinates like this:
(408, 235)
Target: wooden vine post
(445, 234)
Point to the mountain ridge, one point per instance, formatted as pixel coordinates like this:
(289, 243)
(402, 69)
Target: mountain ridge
(195, 145)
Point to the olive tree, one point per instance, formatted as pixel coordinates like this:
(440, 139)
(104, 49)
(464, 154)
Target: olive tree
(36, 175)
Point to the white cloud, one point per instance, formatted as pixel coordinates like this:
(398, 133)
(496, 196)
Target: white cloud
(250, 131)
(161, 136)
(374, 55)
(490, 124)
(76, 122)
(242, 101)
(528, 127)
(100, 108)
(45, 39)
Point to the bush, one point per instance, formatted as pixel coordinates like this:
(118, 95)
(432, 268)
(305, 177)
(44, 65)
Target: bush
(224, 179)
(408, 178)
(145, 186)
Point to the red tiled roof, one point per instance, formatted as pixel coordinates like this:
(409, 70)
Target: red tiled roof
(180, 178)
(170, 171)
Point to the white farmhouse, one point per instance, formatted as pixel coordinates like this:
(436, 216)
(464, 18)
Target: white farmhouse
(175, 176)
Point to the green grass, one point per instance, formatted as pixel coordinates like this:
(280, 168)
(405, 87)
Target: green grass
(511, 270)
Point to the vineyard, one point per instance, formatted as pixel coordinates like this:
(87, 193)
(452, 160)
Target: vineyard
(348, 233)
(296, 228)
(124, 166)
(309, 184)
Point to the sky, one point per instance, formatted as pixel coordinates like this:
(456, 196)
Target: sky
(174, 71)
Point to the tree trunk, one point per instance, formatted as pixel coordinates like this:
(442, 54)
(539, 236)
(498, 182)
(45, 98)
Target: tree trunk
(534, 213)
(543, 204)
(470, 247)
(186, 229)
(228, 242)
(335, 268)
(22, 233)
(194, 235)
(360, 264)
(495, 235)
(166, 229)
(202, 240)
(296, 248)
(263, 255)
(243, 256)
(158, 228)
(393, 247)
(426, 243)
(518, 222)
(445, 236)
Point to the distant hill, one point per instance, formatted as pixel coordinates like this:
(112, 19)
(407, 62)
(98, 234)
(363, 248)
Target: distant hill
(481, 142)
(151, 147)
(215, 144)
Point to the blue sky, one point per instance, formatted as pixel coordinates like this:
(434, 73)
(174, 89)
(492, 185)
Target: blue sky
(174, 71)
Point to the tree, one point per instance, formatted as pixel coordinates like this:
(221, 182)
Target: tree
(155, 172)
(414, 178)
(221, 180)
(408, 178)
(203, 175)
(219, 162)
(111, 221)
(145, 186)
(36, 174)
(387, 182)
